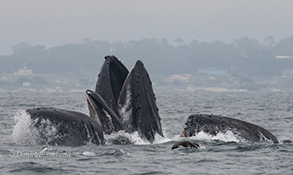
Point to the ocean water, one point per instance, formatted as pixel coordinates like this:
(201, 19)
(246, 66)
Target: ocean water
(224, 154)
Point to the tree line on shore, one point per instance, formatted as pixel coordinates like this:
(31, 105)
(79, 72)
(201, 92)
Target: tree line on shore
(244, 56)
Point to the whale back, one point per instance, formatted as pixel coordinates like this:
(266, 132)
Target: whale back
(213, 124)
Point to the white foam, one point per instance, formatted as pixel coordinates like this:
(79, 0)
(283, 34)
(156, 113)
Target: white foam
(136, 139)
(133, 137)
(139, 141)
(87, 153)
(264, 138)
(159, 139)
(24, 131)
(21, 129)
(228, 136)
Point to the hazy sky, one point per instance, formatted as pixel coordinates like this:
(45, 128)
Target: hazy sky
(57, 22)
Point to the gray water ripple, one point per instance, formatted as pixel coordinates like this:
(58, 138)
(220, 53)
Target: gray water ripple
(30, 167)
(271, 110)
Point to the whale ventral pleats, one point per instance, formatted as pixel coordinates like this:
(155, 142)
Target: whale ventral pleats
(129, 93)
(110, 83)
(144, 112)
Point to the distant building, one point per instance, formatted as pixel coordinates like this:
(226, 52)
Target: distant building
(24, 71)
(287, 73)
(284, 57)
(27, 84)
(213, 71)
(179, 78)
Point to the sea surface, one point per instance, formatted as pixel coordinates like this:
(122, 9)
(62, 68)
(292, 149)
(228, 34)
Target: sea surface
(224, 154)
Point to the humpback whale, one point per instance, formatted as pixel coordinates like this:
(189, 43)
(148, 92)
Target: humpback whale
(73, 128)
(127, 100)
(122, 100)
(213, 124)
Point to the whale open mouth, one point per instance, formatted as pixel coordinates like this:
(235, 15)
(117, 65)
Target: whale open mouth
(124, 100)
(103, 114)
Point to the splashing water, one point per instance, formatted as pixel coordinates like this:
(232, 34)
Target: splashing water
(134, 138)
(227, 136)
(25, 132)
(22, 129)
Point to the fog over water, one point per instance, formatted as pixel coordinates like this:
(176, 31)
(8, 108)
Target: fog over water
(53, 23)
